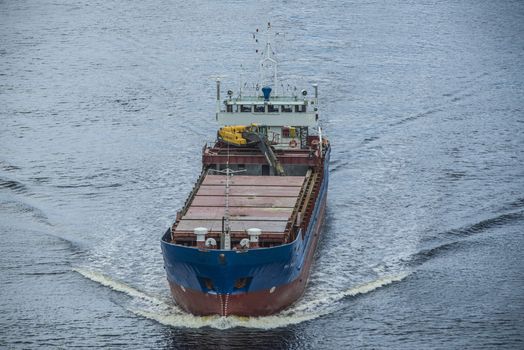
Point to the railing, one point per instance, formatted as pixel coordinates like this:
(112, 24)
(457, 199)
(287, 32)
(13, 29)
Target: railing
(293, 225)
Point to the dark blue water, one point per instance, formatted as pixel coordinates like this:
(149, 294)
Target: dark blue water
(104, 108)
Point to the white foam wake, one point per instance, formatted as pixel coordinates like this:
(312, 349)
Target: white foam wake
(182, 319)
(170, 315)
(300, 312)
(116, 285)
(324, 301)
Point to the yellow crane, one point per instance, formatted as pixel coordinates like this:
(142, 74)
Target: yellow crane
(242, 135)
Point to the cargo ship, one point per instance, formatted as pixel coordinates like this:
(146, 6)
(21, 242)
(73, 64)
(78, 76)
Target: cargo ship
(244, 241)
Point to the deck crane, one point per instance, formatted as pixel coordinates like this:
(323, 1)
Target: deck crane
(244, 136)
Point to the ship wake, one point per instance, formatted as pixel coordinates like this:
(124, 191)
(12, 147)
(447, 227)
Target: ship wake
(165, 312)
(116, 285)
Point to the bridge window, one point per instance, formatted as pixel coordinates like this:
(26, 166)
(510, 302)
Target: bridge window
(300, 108)
(260, 109)
(287, 109)
(272, 108)
(245, 108)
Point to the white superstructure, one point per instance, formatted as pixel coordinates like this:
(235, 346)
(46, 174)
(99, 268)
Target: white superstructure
(285, 118)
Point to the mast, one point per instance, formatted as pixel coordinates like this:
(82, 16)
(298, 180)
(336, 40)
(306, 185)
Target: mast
(269, 58)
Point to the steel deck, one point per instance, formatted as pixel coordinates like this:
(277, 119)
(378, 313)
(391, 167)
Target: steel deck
(264, 202)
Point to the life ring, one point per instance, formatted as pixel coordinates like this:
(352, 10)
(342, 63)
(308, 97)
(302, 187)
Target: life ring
(293, 143)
